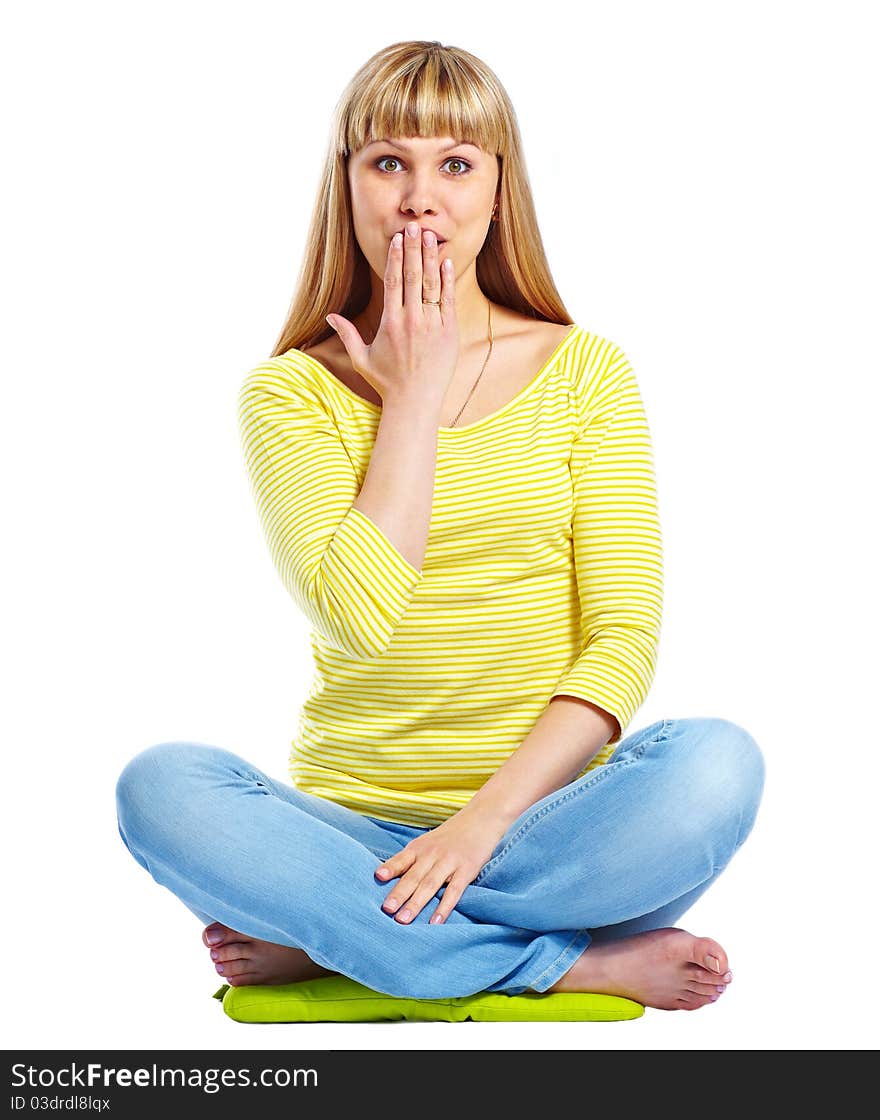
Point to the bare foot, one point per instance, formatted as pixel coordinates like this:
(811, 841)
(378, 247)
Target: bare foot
(243, 960)
(667, 968)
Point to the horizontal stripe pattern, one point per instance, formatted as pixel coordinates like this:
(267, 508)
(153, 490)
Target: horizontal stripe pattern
(542, 576)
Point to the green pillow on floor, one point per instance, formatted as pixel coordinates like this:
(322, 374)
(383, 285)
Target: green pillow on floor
(339, 999)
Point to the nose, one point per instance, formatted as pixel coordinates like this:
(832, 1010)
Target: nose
(421, 214)
(421, 197)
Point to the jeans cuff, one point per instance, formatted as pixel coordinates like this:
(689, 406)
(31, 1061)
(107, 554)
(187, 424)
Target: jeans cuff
(548, 976)
(562, 963)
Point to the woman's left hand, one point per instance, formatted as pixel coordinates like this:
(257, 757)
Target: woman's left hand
(454, 853)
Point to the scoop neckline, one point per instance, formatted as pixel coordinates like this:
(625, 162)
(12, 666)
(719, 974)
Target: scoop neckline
(526, 389)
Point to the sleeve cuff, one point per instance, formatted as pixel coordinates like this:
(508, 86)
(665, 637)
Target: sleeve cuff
(612, 695)
(373, 576)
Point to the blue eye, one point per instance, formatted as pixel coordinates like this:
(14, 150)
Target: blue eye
(451, 159)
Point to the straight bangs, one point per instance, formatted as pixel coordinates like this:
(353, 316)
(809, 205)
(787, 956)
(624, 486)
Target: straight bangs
(436, 94)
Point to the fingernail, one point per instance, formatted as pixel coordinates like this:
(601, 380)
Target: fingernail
(713, 963)
(436, 920)
(383, 872)
(330, 321)
(214, 937)
(397, 240)
(390, 904)
(405, 915)
(412, 228)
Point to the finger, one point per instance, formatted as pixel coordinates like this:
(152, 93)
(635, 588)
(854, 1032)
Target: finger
(396, 865)
(422, 895)
(393, 279)
(430, 267)
(350, 337)
(447, 291)
(399, 898)
(454, 891)
(412, 269)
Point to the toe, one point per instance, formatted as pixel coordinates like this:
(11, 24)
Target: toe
(709, 954)
(242, 979)
(233, 968)
(213, 930)
(228, 951)
(704, 988)
(696, 974)
(690, 1001)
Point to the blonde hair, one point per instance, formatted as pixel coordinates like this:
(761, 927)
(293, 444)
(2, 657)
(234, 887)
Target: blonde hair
(420, 88)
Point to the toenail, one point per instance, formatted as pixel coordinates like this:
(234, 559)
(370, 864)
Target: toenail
(720, 988)
(219, 968)
(713, 997)
(214, 937)
(728, 976)
(215, 955)
(713, 963)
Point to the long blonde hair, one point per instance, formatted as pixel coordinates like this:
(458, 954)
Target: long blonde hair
(420, 88)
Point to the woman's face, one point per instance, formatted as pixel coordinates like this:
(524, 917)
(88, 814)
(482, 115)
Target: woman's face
(447, 187)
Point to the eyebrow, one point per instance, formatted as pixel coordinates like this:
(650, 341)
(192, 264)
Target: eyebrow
(405, 147)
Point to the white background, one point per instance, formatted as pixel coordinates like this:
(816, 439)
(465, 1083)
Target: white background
(706, 186)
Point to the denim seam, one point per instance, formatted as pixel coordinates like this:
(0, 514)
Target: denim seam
(579, 788)
(383, 858)
(561, 958)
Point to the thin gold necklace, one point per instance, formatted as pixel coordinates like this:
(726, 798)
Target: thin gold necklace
(476, 383)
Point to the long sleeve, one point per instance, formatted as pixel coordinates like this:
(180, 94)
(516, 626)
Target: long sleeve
(617, 543)
(349, 580)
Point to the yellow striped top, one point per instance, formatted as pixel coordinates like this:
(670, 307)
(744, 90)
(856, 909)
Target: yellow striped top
(542, 576)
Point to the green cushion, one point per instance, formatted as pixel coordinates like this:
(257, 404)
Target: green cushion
(338, 999)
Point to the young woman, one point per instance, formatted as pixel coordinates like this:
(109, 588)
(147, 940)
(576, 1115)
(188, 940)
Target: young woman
(456, 486)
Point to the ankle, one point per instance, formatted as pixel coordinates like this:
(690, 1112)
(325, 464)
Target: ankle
(582, 976)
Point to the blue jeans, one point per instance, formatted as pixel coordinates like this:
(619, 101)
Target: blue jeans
(629, 846)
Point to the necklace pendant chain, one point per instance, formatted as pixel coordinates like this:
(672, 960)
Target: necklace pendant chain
(476, 383)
